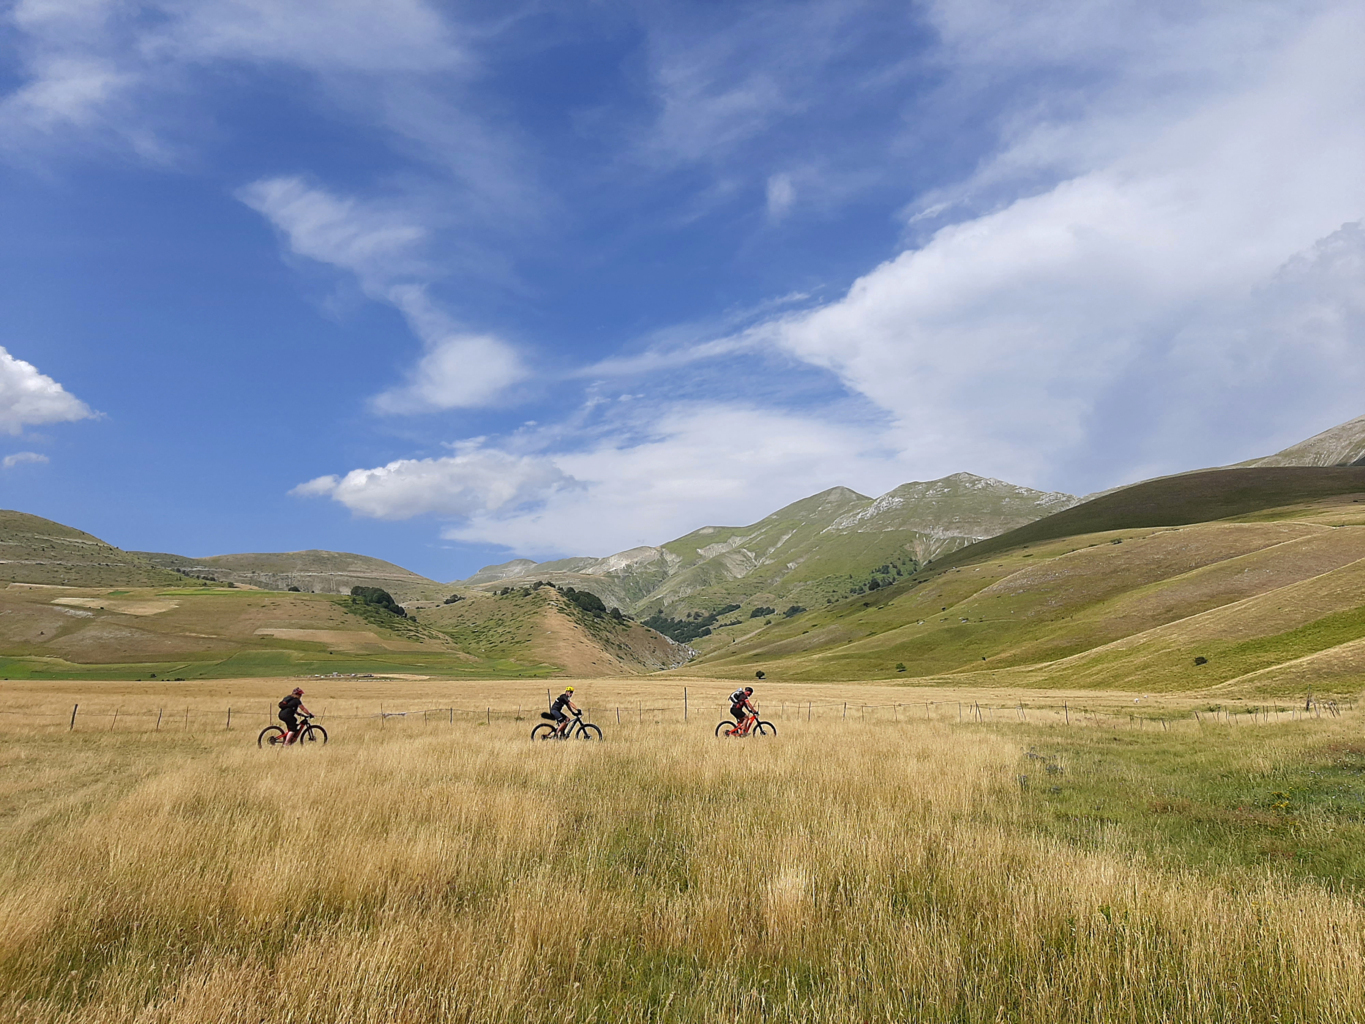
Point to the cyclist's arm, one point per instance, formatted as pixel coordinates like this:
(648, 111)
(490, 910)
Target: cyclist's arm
(574, 708)
(304, 710)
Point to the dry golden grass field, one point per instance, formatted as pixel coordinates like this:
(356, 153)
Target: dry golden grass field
(899, 861)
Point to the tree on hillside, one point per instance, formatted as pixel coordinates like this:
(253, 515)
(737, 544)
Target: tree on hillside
(377, 598)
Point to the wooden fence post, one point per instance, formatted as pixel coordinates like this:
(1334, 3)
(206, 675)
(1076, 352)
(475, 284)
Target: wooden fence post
(74, 709)
(685, 704)
(158, 719)
(229, 720)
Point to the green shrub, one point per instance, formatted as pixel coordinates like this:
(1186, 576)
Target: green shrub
(377, 598)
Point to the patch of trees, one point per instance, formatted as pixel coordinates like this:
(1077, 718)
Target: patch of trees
(452, 599)
(758, 613)
(376, 598)
(586, 600)
(795, 609)
(690, 627)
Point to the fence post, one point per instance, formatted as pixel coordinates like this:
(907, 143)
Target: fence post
(158, 719)
(808, 703)
(115, 721)
(451, 716)
(74, 709)
(618, 716)
(229, 720)
(684, 703)
(845, 709)
(1066, 712)
(187, 718)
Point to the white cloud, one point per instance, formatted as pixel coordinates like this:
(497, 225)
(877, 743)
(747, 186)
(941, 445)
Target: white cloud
(20, 458)
(30, 398)
(998, 343)
(476, 481)
(781, 196)
(381, 247)
(651, 474)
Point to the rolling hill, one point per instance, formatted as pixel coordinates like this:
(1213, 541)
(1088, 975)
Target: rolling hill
(1259, 576)
(314, 572)
(1342, 445)
(37, 550)
(813, 551)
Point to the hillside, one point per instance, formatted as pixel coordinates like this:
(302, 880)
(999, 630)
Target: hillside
(37, 550)
(204, 632)
(1270, 596)
(1342, 445)
(315, 572)
(813, 551)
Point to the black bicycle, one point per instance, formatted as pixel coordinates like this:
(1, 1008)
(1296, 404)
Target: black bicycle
(578, 729)
(273, 735)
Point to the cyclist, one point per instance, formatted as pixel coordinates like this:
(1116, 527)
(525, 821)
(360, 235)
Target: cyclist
(289, 708)
(740, 706)
(564, 700)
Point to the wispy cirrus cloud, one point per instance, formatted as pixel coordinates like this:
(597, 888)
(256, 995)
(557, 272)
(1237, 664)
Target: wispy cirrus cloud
(382, 247)
(29, 398)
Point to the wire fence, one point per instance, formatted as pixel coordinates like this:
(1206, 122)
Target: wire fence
(686, 711)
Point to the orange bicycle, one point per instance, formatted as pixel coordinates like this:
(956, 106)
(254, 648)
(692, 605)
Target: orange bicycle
(751, 726)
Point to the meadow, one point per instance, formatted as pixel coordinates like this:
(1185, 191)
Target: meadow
(882, 866)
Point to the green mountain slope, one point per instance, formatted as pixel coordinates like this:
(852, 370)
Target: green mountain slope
(318, 572)
(39, 551)
(1270, 597)
(1342, 445)
(814, 551)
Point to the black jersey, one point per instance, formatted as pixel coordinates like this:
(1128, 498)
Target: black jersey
(290, 704)
(738, 697)
(560, 701)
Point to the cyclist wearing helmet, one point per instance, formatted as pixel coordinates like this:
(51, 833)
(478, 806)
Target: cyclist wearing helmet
(739, 704)
(289, 708)
(564, 700)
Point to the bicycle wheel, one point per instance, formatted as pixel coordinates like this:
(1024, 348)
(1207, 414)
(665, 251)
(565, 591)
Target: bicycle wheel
(543, 731)
(314, 734)
(724, 729)
(270, 736)
(764, 729)
(589, 732)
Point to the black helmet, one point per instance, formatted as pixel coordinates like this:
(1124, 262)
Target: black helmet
(748, 689)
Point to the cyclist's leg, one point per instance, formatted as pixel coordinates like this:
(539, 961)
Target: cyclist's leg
(561, 722)
(291, 728)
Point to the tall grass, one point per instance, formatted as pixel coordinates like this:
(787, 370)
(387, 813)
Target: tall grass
(879, 873)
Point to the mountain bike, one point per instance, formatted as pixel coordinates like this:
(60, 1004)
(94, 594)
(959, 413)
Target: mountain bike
(273, 735)
(578, 729)
(751, 726)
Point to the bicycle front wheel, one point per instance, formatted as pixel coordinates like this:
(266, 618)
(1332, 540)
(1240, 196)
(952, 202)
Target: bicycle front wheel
(314, 734)
(764, 729)
(543, 731)
(270, 736)
(589, 732)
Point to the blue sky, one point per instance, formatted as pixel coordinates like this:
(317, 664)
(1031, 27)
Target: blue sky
(447, 284)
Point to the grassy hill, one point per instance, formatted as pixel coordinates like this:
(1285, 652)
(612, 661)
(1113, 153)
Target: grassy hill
(204, 632)
(1342, 445)
(316, 572)
(37, 550)
(812, 552)
(1264, 580)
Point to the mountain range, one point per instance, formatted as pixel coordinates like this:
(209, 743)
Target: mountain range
(785, 590)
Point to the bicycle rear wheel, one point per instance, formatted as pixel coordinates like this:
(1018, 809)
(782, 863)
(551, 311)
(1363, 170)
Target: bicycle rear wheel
(764, 729)
(724, 729)
(543, 731)
(587, 731)
(314, 734)
(270, 736)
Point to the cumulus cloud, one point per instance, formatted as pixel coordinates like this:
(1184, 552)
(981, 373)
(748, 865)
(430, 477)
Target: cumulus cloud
(1005, 341)
(19, 458)
(30, 398)
(476, 481)
(644, 477)
(381, 246)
